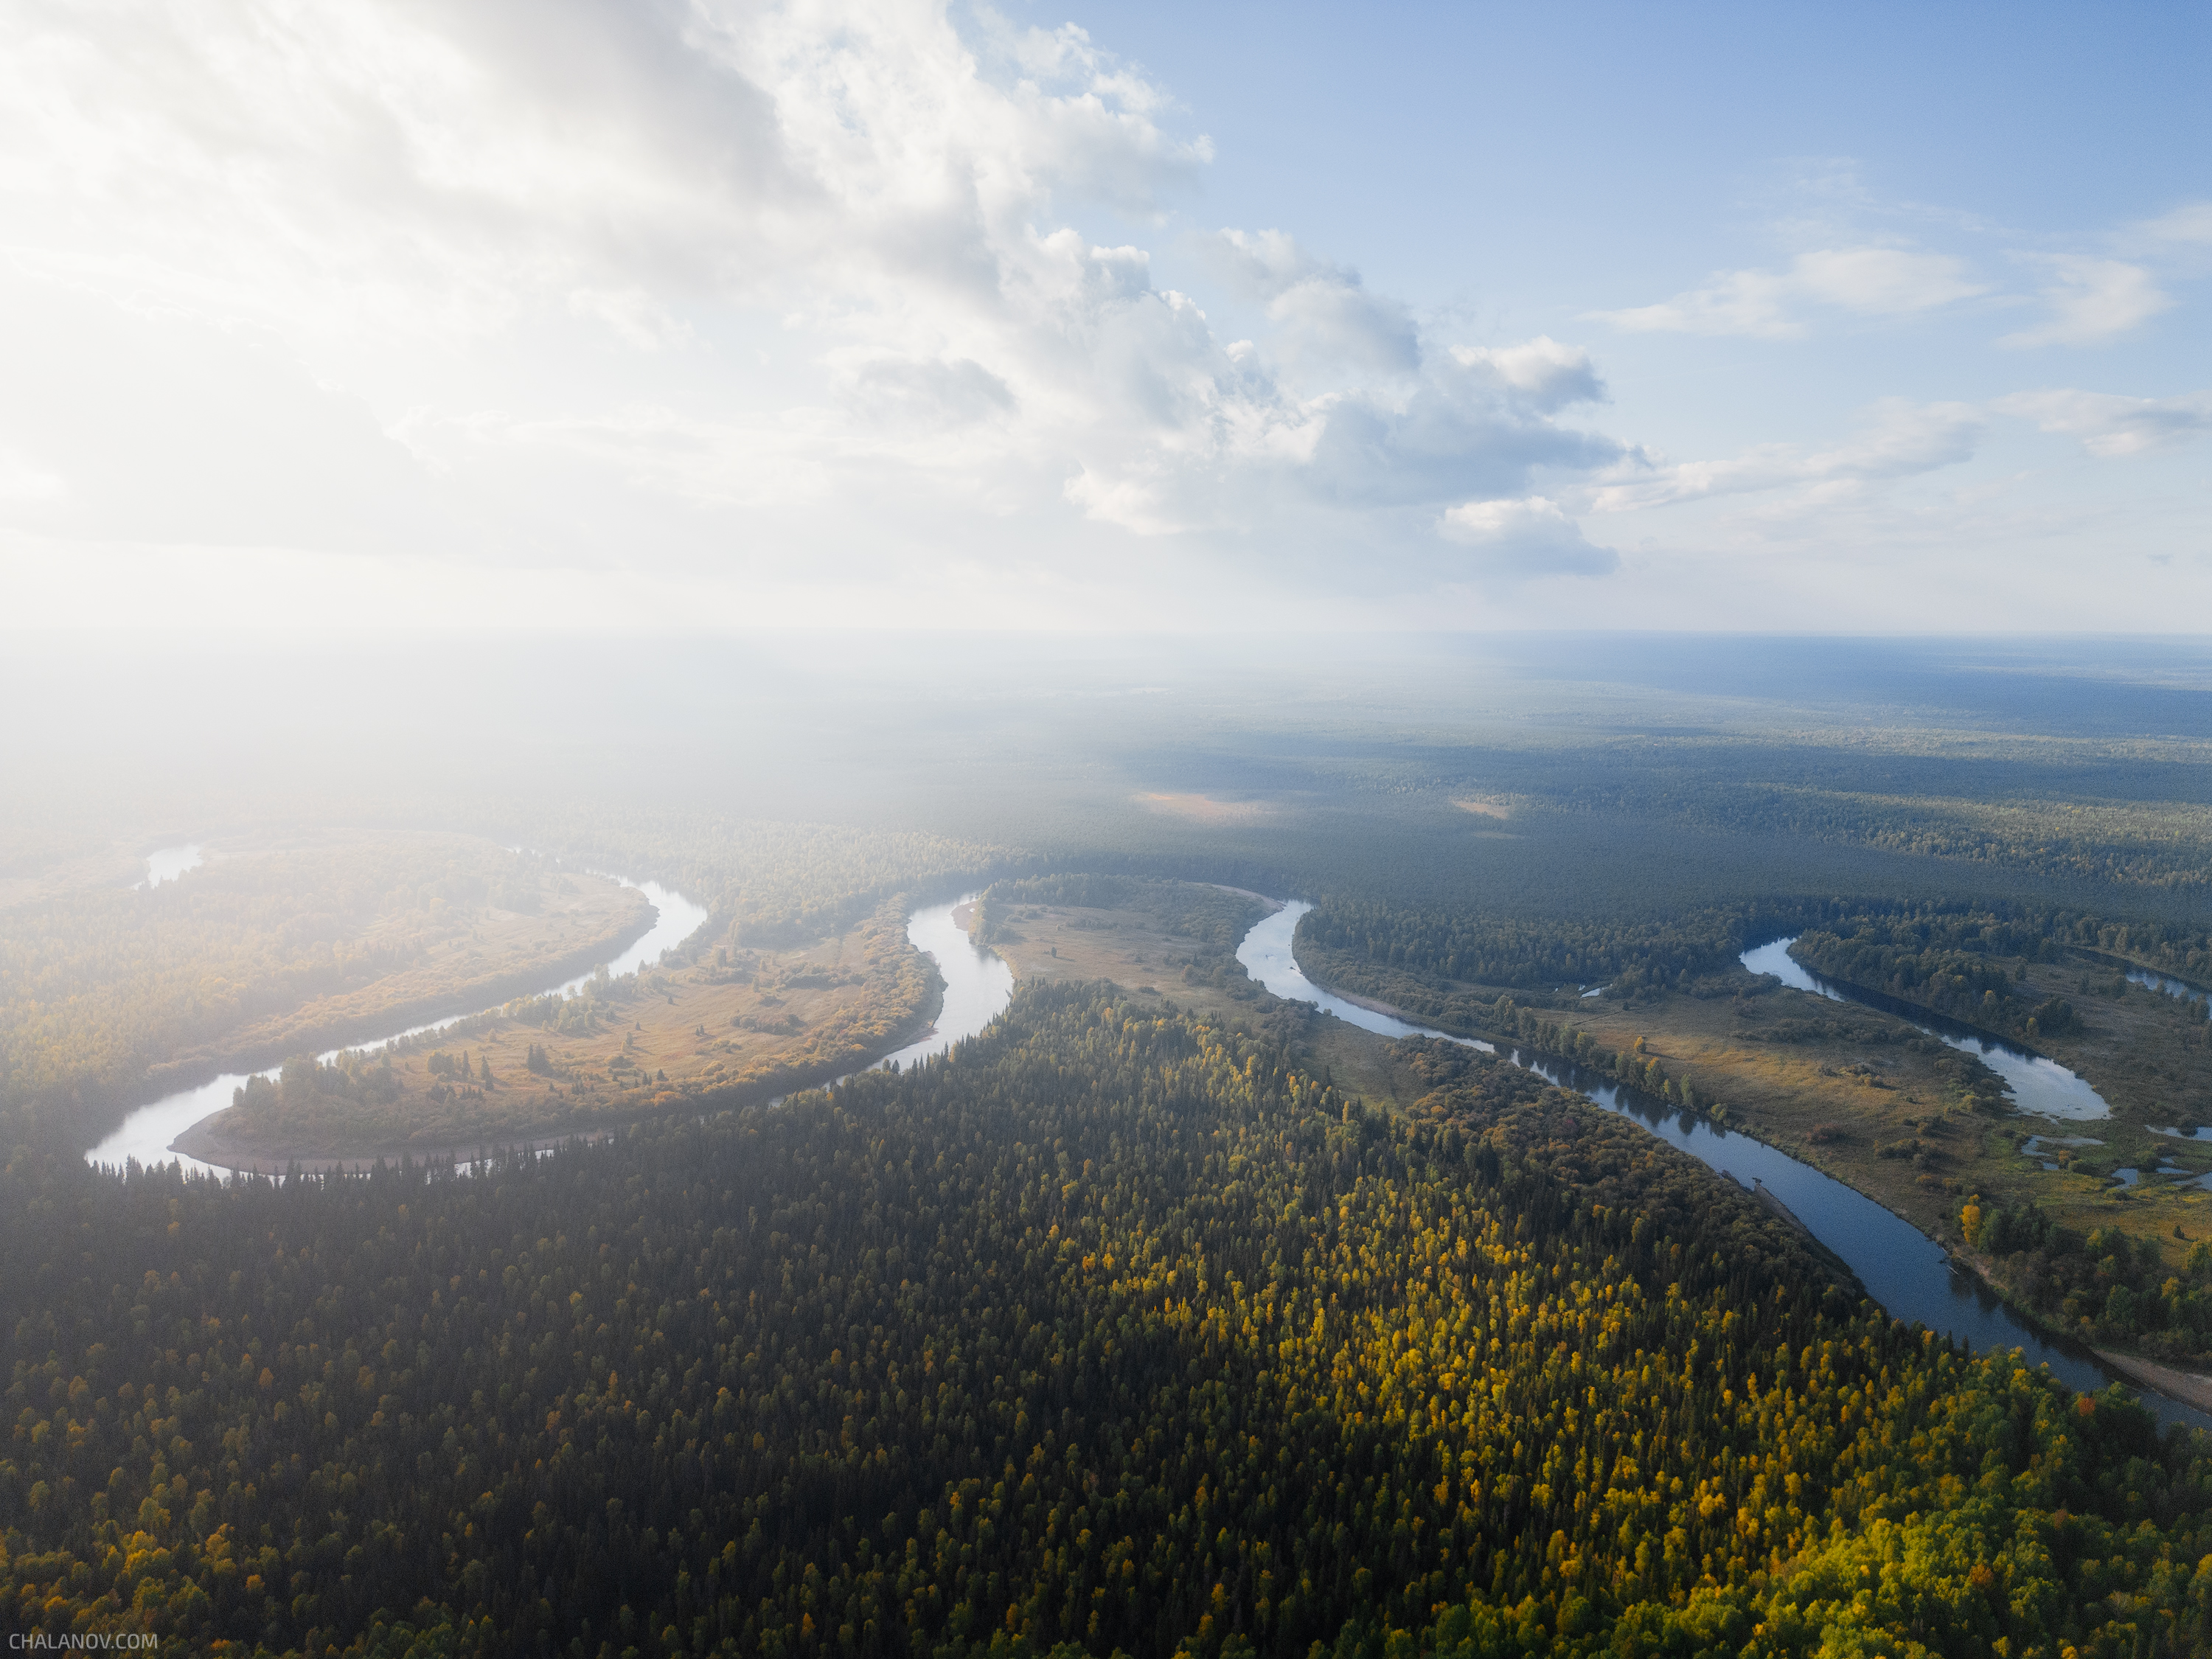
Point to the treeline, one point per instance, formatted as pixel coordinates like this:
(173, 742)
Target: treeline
(1971, 964)
(1112, 1332)
(2102, 1287)
(1476, 947)
(104, 993)
(1212, 918)
(1367, 945)
(2152, 842)
(771, 884)
(1902, 958)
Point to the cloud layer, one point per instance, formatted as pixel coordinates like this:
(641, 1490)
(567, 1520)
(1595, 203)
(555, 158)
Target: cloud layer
(827, 308)
(1874, 281)
(757, 285)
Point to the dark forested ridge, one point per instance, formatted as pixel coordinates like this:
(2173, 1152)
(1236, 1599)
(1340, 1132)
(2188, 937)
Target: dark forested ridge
(1879, 944)
(1110, 1332)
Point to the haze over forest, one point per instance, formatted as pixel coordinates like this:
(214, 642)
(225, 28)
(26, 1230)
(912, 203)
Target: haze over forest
(925, 831)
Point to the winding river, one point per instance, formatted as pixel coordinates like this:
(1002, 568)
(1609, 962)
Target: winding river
(978, 983)
(1902, 1269)
(146, 1135)
(2168, 986)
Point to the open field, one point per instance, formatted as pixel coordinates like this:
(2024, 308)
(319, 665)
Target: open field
(110, 995)
(477, 951)
(739, 1026)
(1857, 1093)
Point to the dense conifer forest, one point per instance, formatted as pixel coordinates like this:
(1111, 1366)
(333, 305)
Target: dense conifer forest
(1109, 1332)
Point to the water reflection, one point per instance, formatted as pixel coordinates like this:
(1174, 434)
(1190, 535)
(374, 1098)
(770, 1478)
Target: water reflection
(978, 984)
(2038, 1084)
(1901, 1267)
(167, 863)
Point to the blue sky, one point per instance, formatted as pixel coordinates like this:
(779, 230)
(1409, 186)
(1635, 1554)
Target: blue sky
(579, 315)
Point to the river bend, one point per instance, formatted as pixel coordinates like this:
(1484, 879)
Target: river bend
(146, 1132)
(1902, 1269)
(2039, 1084)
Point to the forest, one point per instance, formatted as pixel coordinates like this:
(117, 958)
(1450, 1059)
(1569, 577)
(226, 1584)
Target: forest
(1125, 1331)
(769, 882)
(1108, 1332)
(2107, 1287)
(1945, 953)
(1972, 964)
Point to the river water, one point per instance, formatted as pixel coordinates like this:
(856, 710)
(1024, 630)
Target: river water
(146, 1135)
(2173, 987)
(167, 863)
(978, 983)
(1902, 1269)
(2038, 1084)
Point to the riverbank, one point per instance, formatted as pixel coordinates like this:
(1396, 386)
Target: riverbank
(1901, 1266)
(699, 1036)
(202, 1145)
(2186, 1386)
(366, 1027)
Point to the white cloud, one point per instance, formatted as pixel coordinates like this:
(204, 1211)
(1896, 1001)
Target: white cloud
(1904, 440)
(2091, 300)
(743, 284)
(1874, 282)
(1328, 318)
(23, 480)
(2109, 426)
(1531, 536)
(1542, 374)
(2189, 222)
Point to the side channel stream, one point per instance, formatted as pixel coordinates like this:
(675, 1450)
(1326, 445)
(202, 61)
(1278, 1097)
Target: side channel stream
(1902, 1269)
(2039, 1084)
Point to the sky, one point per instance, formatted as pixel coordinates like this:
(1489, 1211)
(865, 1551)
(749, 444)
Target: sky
(684, 317)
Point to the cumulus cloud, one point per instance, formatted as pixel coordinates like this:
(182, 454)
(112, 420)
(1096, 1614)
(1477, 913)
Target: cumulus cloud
(1530, 536)
(2090, 301)
(909, 391)
(1326, 317)
(2109, 426)
(1541, 373)
(1903, 439)
(560, 279)
(1874, 282)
